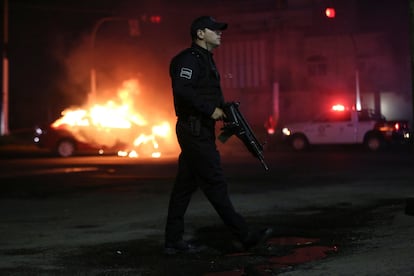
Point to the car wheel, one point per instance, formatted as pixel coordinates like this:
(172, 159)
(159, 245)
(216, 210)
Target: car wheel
(65, 148)
(299, 142)
(373, 142)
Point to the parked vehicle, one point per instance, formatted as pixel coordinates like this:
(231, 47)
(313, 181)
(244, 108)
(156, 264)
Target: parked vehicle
(347, 126)
(63, 143)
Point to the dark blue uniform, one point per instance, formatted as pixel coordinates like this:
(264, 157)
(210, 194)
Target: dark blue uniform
(197, 92)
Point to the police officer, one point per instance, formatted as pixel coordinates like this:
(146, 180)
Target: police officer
(198, 102)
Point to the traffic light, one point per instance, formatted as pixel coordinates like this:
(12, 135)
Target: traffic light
(330, 12)
(155, 19)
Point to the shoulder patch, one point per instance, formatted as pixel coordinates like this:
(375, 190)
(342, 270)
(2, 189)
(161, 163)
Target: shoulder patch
(186, 73)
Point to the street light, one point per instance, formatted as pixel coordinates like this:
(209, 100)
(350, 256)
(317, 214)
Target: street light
(331, 13)
(134, 31)
(357, 90)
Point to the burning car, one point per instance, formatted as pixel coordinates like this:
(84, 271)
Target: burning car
(110, 127)
(76, 132)
(62, 142)
(84, 137)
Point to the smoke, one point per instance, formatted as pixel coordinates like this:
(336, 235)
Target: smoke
(51, 53)
(116, 56)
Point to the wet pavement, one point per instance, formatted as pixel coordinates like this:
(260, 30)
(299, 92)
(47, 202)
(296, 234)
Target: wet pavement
(326, 221)
(313, 240)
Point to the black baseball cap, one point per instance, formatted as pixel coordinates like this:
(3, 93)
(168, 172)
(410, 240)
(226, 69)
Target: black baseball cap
(209, 22)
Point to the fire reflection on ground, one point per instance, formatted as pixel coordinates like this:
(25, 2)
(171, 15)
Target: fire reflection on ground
(283, 252)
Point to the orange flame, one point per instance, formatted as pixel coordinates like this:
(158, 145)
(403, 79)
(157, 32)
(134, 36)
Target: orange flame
(115, 123)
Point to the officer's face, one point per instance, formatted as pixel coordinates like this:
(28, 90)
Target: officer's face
(212, 38)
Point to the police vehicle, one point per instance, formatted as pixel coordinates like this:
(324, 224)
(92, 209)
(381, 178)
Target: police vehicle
(347, 126)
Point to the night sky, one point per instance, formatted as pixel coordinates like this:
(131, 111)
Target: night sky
(49, 44)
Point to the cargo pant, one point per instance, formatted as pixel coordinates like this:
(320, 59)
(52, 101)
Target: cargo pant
(199, 166)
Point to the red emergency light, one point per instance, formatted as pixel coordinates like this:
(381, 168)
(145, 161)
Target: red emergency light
(338, 107)
(330, 12)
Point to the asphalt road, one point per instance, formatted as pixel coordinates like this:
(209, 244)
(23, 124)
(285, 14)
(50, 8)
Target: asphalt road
(334, 211)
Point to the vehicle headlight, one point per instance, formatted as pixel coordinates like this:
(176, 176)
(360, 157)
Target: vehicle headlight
(38, 131)
(286, 131)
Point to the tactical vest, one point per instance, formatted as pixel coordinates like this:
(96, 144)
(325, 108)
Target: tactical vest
(208, 85)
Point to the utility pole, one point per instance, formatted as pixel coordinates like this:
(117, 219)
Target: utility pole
(357, 86)
(4, 125)
(411, 8)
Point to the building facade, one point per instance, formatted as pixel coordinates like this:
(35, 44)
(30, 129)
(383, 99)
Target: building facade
(291, 62)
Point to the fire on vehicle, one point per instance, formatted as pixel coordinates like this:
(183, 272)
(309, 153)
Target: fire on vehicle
(112, 127)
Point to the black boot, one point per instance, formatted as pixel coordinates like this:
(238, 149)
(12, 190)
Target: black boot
(180, 246)
(257, 238)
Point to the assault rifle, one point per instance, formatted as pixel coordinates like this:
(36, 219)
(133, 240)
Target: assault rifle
(236, 124)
